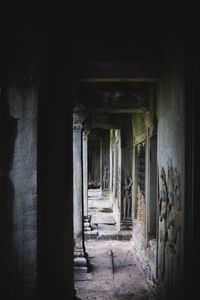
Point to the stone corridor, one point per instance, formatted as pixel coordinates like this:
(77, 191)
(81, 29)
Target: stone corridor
(114, 273)
(99, 157)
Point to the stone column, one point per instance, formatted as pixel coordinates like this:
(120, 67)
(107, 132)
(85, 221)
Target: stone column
(87, 218)
(147, 185)
(101, 168)
(111, 162)
(80, 262)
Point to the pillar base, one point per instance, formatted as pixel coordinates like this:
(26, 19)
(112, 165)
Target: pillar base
(87, 223)
(80, 266)
(126, 224)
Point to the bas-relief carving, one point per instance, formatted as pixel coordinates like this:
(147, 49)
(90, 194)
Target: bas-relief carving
(169, 223)
(163, 201)
(141, 167)
(127, 196)
(140, 207)
(140, 196)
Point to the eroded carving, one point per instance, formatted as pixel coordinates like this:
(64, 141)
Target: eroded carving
(140, 176)
(163, 195)
(141, 167)
(169, 220)
(76, 124)
(140, 206)
(127, 196)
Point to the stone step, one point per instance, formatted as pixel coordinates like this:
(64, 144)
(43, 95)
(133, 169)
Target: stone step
(121, 235)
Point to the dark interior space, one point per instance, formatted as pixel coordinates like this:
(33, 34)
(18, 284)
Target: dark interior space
(135, 76)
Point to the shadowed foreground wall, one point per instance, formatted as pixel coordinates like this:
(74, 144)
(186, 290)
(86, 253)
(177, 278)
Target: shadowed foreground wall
(36, 257)
(55, 216)
(19, 190)
(162, 255)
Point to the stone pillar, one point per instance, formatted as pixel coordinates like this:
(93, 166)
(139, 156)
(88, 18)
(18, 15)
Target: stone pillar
(147, 186)
(18, 187)
(87, 218)
(111, 162)
(80, 262)
(101, 167)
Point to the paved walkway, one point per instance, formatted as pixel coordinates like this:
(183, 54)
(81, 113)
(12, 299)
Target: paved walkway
(114, 271)
(102, 221)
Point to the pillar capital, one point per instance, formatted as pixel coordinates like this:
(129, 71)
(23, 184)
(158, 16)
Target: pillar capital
(77, 121)
(86, 132)
(79, 116)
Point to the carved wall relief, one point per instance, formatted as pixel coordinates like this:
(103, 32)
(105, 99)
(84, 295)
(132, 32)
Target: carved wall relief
(106, 178)
(141, 167)
(169, 222)
(163, 203)
(140, 179)
(140, 206)
(126, 196)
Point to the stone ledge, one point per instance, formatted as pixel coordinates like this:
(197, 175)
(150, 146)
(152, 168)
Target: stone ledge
(121, 235)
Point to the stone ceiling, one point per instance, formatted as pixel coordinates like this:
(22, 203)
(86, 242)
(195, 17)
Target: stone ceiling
(115, 98)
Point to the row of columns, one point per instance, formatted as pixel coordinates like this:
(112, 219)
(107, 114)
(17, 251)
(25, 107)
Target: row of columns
(80, 189)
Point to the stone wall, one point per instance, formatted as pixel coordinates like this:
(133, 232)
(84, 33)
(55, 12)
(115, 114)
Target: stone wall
(161, 256)
(171, 154)
(144, 244)
(19, 191)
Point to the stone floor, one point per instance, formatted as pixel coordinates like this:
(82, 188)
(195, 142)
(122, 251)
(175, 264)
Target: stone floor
(102, 222)
(114, 271)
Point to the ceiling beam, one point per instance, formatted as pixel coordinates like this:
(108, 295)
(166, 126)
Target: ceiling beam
(120, 72)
